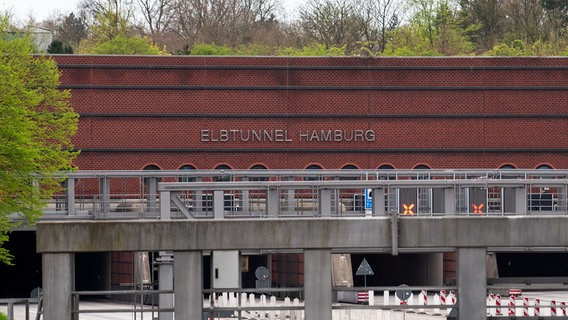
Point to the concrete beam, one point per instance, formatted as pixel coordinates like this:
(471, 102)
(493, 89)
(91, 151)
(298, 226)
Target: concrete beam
(373, 233)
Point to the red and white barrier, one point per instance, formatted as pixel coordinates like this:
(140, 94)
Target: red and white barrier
(536, 307)
(491, 304)
(525, 306)
(498, 310)
(362, 296)
(511, 310)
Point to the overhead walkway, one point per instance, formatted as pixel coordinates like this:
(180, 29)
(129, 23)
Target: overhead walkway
(309, 193)
(317, 213)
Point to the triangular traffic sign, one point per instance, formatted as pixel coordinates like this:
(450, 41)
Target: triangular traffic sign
(364, 269)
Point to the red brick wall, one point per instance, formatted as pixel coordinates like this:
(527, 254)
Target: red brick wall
(439, 112)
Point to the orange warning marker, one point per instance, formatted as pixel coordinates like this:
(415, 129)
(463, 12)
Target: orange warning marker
(408, 209)
(477, 209)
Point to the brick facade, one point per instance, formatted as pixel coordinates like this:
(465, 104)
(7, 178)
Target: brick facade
(438, 112)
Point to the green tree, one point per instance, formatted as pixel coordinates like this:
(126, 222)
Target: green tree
(57, 47)
(36, 126)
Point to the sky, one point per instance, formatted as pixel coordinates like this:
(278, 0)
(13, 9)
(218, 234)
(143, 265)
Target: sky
(43, 9)
(40, 9)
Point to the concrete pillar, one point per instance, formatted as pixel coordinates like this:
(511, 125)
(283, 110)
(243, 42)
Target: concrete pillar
(218, 204)
(166, 282)
(317, 283)
(165, 263)
(104, 186)
(188, 273)
(244, 199)
(435, 269)
(165, 208)
(151, 197)
(521, 200)
(273, 202)
(70, 196)
(324, 202)
(379, 204)
(450, 201)
(58, 282)
(472, 283)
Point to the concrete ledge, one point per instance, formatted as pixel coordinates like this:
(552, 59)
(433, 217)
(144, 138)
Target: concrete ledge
(415, 233)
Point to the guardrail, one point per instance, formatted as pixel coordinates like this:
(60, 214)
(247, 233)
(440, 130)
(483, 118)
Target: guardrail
(140, 308)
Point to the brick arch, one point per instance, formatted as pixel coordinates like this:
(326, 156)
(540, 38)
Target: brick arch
(313, 166)
(544, 166)
(151, 166)
(258, 166)
(386, 166)
(224, 166)
(187, 166)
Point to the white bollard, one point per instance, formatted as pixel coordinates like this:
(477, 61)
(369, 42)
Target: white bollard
(296, 313)
(225, 299)
(272, 313)
(437, 303)
(386, 298)
(422, 301)
(287, 303)
(371, 297)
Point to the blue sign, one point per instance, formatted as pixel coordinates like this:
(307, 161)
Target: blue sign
(368, 198)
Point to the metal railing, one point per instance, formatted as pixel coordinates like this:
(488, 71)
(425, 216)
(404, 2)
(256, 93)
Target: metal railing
(299, 193)
(138, 306)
